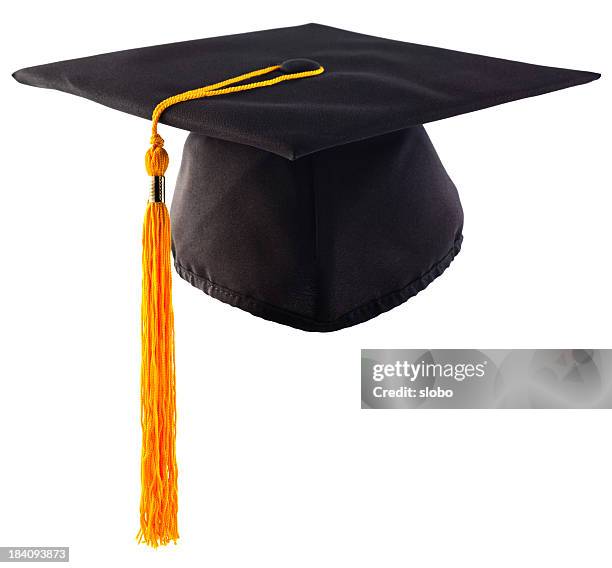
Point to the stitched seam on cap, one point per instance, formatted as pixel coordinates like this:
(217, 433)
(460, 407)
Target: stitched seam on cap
(450, 254)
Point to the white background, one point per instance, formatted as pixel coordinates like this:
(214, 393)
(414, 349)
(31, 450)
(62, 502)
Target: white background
(279, 467)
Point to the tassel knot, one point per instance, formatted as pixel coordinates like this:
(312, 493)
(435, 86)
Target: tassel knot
(156, 158)
(157, 140)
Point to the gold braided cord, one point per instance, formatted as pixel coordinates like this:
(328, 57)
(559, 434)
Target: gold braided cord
(223, 88)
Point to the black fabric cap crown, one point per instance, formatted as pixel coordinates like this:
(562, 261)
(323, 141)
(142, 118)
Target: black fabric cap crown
(332, 205)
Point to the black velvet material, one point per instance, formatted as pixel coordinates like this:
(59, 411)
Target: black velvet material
(319, 243)
(371, 86)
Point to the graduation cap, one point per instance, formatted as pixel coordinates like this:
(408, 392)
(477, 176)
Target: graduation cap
(309, 193)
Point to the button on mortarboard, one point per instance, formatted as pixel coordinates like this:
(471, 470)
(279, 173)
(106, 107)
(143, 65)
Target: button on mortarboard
(299, 65)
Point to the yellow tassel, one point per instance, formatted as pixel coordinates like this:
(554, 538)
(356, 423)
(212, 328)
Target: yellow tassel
(159, 497)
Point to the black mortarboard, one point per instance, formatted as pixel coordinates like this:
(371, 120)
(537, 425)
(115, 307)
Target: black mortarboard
(318, 203)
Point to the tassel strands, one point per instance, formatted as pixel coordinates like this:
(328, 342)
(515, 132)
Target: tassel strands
(159, 496)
